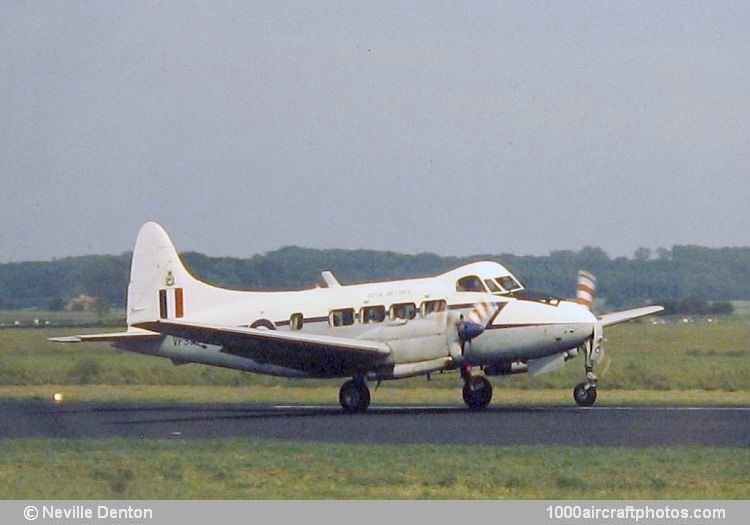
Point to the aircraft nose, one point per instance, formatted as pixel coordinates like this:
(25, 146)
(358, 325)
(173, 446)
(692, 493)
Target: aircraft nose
(580, 323)
(579, 314)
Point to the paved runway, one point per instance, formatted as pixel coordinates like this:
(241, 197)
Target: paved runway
(637, 426)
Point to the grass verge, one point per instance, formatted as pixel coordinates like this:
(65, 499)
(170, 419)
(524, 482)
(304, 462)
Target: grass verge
(256, 469)
(641, 357)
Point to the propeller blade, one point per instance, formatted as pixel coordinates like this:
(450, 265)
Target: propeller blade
(476, 321)
(597, 352)
(480, 313)
(586, 288)
(460, 329)
(603, 365)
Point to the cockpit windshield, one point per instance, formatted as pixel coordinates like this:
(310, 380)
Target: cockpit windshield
(482, 277)
(508, 283)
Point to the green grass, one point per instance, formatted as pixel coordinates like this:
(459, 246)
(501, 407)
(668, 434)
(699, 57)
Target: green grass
(741, 308)
(713, 357)
(36, 316)
(674, 363)
(256, 469)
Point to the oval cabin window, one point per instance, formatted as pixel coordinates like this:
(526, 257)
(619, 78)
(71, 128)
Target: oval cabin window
(343, 317)
(372, 314)
(403, 311)
(431, 307)
(296, 321)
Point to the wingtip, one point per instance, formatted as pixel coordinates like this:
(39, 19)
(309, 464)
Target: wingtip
(65, 339)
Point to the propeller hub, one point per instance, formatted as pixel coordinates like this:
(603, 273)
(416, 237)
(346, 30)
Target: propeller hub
(468, 330)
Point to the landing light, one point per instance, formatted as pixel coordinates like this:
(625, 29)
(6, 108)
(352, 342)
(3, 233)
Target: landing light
(57, 398)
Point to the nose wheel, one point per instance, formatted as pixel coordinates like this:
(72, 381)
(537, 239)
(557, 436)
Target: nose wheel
(477, 392)
(354, 396)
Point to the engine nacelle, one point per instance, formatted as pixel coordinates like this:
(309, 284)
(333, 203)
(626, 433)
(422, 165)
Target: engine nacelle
(505, 368)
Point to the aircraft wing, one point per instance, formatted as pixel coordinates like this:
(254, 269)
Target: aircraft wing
(317, 354)
(628, 315)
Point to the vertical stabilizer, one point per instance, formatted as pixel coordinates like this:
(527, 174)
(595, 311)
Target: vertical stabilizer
(160, 286)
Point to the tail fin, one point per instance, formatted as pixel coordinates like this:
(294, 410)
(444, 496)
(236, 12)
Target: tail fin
(160, 288)
(160, 285)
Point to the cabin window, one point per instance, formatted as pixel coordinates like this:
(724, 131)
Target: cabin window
(343, 317)
(429, 307)
(372, 314)
(494, 288)
(403, 311)
(296, 321)
(471, 283)
(509, 283)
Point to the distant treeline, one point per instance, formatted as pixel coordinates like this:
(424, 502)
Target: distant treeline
(668, 275)
(696, 306)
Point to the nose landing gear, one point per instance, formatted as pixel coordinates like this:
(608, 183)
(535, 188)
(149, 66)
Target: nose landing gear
(354, 396)
(584, 393)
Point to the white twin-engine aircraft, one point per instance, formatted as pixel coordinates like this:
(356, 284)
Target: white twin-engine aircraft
(477, 319)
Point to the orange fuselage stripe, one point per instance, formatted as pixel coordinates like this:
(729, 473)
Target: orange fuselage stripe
(178, 305)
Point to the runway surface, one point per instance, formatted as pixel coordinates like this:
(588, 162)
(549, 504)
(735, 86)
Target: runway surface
(637, 426)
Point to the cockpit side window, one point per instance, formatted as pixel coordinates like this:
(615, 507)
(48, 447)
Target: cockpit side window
(508, 283)
(470, 283)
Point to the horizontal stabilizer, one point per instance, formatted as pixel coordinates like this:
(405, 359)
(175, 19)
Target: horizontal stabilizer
(140, 335)
(629, 315)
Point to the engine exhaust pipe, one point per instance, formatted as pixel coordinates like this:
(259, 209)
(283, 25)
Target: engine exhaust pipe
(403, 370)
(506, 368)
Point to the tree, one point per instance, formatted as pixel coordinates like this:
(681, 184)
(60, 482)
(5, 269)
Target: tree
(102, 308)
(642, 254)
(56, 304)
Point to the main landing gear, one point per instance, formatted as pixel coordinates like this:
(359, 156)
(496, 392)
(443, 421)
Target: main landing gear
(584, 394)
(477, 391)
(354, 396)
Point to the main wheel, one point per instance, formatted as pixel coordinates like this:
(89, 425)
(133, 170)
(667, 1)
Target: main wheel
(354, 396)
(477, 393)
(585, 397)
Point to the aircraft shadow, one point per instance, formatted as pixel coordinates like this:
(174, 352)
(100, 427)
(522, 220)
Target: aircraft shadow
(315, 412)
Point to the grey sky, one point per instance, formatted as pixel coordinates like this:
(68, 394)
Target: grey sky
(451, 127)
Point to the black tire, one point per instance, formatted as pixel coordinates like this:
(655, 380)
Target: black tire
(584, 397)
(354, 397)
(477, 393)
